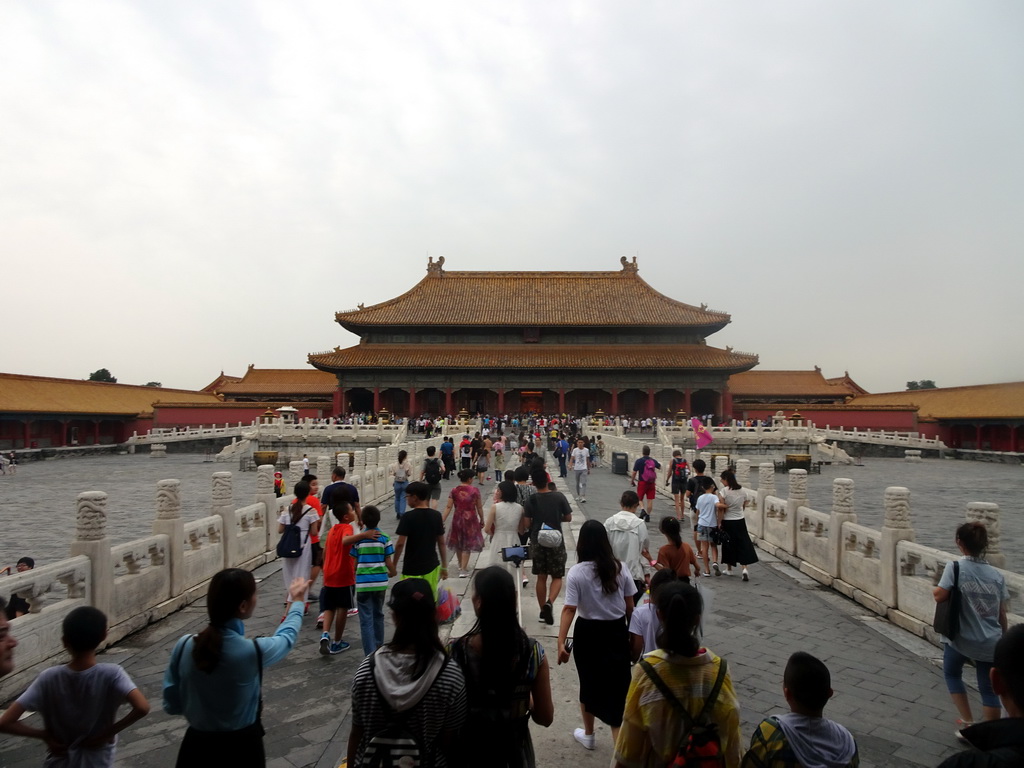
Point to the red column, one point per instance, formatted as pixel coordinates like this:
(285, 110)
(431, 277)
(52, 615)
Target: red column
(376, 399)
(95, 432)
(339, 401)
(63, 433)
(501, 401)
(727, 404)
(447, 401)
(686, 401)
(27, 433)
(615, 402)
(1013, 438)
(650, 402)
(561, 401)
(412, 401)
(977, 438)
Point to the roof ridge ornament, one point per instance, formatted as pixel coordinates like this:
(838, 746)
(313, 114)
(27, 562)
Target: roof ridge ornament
(435, 268)
(629, 266)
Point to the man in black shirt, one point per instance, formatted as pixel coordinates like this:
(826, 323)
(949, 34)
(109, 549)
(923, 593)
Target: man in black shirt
(421, 538)
(550, 508)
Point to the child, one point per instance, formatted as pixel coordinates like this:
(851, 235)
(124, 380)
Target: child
(340, 576)
(707, 524)
(79, 700)
(802, 737)
(374, 563)
(644, 624)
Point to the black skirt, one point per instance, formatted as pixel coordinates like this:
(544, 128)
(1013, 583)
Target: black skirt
(601, 651)
(215, 749)
(739, 548)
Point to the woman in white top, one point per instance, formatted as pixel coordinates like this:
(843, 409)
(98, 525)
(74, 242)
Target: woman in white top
(400, 471)
(308, 521)
(736, 546)
(504, 523)
(600, 590)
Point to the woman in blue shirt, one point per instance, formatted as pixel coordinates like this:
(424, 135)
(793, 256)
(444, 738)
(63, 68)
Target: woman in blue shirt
(983, 601)
(215, 678)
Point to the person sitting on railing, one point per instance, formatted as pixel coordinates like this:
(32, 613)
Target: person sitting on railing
(18, 606)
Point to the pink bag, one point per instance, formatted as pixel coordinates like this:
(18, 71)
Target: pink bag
(448, 608)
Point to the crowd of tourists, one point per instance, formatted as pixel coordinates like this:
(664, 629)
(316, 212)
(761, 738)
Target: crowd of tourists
(637, 638)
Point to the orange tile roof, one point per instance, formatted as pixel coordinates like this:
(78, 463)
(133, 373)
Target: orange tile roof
(983, 401)
(533, 299)
(41, 394)
(784, 384)
(280, 382)
(561, 356)
(220, 381)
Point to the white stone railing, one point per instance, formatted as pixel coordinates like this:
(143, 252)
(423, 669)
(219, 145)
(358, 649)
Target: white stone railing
(903, 439)
(275, 428)
(882, 569)
(138, 582)
(783, 432)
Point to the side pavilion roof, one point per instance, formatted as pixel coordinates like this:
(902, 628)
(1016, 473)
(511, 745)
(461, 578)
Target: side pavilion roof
(533, 299)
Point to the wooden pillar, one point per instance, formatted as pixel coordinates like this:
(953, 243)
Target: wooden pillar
(447, 401)
(977, 437)
(339, 400)
(95, 432)
(686, 401)
(561, 401)
(727, 404)
(27, 433)
(501, 401)
(615, 401)
(412, 401)
(63, 432)
(650, 402)
(376, 399)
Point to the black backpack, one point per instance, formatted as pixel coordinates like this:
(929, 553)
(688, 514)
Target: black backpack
(432, 471)
(290, 545)
(394, 745)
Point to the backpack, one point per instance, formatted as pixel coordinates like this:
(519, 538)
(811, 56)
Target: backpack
(700, 746)
(432, 471)
(394, 745)
(679, 468)
(559, 453)
(290, 545)
(649, 474)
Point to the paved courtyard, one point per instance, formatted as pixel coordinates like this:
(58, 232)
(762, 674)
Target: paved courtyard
(889, 689)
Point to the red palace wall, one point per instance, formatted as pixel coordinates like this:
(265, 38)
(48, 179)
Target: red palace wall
(891, 421)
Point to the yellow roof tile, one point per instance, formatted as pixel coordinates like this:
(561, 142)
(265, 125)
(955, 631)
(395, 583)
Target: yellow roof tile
(281, 381)
(40, 394)
(983, 401)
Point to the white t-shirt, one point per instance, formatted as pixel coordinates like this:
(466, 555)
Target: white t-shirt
(580, 457)
(76, 705)
(645, 622)
(735, 500)
(583, 591)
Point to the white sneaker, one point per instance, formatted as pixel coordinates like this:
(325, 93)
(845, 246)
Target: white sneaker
(580, 735)
(746, 576)
(728, 570)
(717, 569)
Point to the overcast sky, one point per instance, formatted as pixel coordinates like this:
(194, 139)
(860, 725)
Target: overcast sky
(195, 186)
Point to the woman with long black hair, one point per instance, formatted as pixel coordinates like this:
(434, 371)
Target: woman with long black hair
(300, 514)
(736, 546)
(652, 725)
(506, 673)
(410, 682)
(600, 590)
(215, 678)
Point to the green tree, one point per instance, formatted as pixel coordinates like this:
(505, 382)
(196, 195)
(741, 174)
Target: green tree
(103, 375)
(153, 384)
(922, 384)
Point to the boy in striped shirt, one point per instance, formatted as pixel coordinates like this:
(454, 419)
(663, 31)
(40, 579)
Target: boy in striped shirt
(374, 565)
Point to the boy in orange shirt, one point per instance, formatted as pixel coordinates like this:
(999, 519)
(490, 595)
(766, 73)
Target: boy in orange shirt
(339, 577)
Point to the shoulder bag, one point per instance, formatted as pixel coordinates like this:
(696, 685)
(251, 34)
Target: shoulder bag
(947, 613)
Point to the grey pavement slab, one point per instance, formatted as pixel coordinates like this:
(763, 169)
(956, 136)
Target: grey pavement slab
(889, 688)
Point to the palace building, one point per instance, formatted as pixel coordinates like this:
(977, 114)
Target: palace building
(506, 342)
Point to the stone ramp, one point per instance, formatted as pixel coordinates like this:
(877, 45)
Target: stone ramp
(889, 689)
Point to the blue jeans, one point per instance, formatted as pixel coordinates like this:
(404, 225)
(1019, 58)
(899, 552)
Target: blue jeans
(371, 620)
(400, 497)
(953, 670)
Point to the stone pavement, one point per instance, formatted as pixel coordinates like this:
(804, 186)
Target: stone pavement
(889, 689)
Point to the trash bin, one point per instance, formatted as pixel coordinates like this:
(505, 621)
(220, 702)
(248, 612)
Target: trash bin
(620, 463)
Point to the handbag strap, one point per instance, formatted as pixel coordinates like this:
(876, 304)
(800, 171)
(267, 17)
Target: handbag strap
(662, 686)
(956, 574)
(259, 664)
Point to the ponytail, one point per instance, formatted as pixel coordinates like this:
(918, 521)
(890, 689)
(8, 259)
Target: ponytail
(670, 528)
(680, 608)
(228, 589)
(301, 493)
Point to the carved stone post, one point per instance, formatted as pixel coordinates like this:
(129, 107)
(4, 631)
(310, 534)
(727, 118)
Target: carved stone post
(842, 512)
(342, 460)
(797, 498)
(223, 506)
(168, 521)
(371, 458)
(265, 495)
(295, 473)
(895, 529)
(743, 472)
(765, 488)
(359, 461)
(370, 491)
(987, 514)
(91, 540)
(323, 470)
(690, 455)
